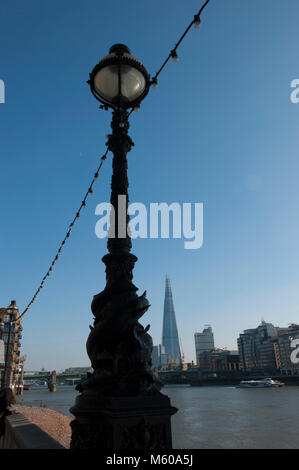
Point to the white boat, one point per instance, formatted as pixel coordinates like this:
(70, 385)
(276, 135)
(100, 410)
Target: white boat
(176, 385)
(263, 383)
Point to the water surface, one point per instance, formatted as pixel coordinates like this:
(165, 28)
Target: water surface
(215, 417)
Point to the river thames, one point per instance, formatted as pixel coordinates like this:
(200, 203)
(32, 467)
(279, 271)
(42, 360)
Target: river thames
(213, 417)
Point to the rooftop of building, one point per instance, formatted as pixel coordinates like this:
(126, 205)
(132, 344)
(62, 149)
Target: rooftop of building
(12, 309)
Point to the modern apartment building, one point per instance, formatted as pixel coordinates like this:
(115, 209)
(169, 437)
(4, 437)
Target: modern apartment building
(256, 348)
(283, 350)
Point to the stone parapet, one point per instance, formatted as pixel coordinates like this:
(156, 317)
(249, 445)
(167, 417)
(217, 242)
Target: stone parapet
(20, 433)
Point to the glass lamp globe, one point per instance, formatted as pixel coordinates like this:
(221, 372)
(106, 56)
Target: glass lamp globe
(119, 80)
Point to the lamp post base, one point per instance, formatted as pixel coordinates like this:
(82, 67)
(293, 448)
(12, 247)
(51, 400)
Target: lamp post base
(121, 422)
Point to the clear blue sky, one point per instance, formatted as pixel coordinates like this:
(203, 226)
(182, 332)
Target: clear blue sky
(220, 129)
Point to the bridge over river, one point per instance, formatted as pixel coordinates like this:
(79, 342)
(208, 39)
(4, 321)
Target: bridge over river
(191, 376)
(69, 379)
(166, 376)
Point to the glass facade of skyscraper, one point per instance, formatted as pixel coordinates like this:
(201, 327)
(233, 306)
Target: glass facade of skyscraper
(170, 337)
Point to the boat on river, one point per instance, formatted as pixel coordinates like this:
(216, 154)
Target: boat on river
(263, 383)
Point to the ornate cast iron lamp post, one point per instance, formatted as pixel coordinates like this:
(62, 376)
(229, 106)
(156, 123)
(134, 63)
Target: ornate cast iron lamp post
(120, 405)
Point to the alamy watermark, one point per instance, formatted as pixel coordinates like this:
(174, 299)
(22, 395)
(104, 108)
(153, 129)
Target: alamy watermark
(295, 354)
(294, 96)
(162, 220)
(2, 92)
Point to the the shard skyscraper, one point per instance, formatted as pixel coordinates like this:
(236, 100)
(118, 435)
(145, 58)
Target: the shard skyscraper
(170, 337)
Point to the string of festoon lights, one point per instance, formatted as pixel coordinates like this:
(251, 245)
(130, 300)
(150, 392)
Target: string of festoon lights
(173, 53)
(70, 227)
(154, 83)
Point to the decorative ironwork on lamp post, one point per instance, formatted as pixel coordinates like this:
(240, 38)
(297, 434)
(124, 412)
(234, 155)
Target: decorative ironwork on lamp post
(8, 364)
(1, 339)
(120, 405)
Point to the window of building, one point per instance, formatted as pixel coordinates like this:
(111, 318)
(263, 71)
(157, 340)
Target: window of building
(5, 339)
(6, 327)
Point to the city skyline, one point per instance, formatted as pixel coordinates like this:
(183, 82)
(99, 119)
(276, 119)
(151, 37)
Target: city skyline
(207, 344)
(220, 129)
(211, 344)
(82, 363)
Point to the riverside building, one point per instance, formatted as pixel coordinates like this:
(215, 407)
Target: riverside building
(228, 361)
(12, 370)
(268, 349)
(283, 350)
(207, 359)
(256, 349)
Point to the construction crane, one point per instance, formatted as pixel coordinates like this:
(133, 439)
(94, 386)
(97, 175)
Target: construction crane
(181, 353)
